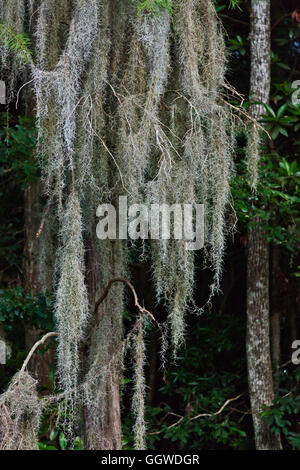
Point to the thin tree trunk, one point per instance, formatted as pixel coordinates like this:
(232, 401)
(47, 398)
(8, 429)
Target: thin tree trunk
(291, 309)
(275, 314)
(108, 435)
(32, 210)
(39, 365)
(112, 431)
(258, 328)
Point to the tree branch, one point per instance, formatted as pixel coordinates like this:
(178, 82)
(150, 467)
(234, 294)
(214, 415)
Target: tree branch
(136, 301)
(201, 415)
(35, 346)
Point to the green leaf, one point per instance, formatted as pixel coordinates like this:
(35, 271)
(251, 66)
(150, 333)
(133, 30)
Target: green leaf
(53, 433)
(270, 110)
(281, 110)
(78, 443)
(275, 133)
(283, 131)
(62, 441)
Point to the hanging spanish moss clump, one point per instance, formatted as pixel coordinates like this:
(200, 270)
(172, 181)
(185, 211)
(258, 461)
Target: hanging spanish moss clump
(143, 84)
(127, 103)
(199, 129)
(20, 414)
(91, 155)
(51, 28)
(57, 94)
(71, 309)
(208, 141)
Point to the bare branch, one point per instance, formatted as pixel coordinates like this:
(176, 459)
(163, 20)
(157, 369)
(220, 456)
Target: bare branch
(201, 415)
(35, 346)
(136, 301)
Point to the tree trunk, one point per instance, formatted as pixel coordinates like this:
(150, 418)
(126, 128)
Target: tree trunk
(39, 365)
(258, 328)
(108, 433)
(275, 314)
(258, 341)
(32, 211)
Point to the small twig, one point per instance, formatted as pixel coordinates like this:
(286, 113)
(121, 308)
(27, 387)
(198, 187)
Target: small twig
(234, 92)
(285, 363)
(235, 20)
(244, 113)
(18, 93)
(201, 415)
(217, 412)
